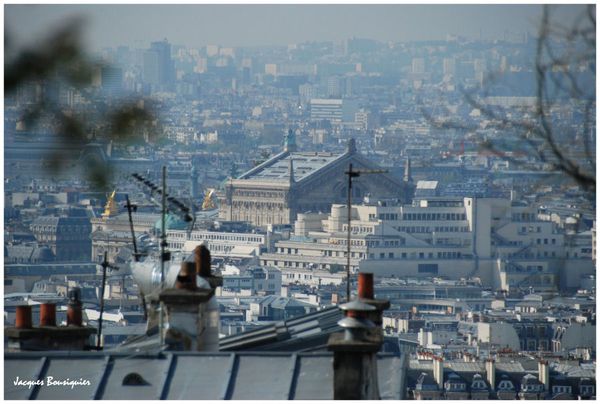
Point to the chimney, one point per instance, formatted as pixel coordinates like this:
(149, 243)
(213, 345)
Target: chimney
(365, 285)
(192, 312)
(186, 279)
(544, 374)
(366, 294)
(74, 312)
(203, 263)
(48, 315)
(48, 336)
(490, 372)
(354, 355)
(24, 318)
(438, 371)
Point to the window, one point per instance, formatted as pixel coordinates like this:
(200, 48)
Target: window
(428, 268)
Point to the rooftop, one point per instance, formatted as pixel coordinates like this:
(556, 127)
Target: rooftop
(304, 163)
(186, 375)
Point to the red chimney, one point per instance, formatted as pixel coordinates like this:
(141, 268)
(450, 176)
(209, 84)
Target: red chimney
(48, 315)
(365, 285)
(24, 319)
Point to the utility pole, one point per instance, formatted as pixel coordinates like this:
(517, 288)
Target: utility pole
(104, 266)
(353, 174)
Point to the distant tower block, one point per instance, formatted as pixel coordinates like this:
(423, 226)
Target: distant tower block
(194, 182)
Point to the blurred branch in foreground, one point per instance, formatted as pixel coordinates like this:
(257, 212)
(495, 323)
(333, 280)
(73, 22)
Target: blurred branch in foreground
(58, 61)
(564, 72)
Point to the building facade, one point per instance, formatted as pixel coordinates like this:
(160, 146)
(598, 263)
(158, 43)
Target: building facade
(497, 240)
(295, 182)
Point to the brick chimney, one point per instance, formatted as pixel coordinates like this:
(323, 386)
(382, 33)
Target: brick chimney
(354, 354)
(191, 309)
(48, 336)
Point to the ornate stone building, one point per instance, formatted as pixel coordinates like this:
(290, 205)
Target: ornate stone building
(68, 237)
(293, 182)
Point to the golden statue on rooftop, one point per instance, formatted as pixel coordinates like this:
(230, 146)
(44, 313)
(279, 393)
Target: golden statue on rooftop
(208, 202)
(111, 208)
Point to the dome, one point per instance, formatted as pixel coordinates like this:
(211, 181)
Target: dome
(172, 222)
(42, 254)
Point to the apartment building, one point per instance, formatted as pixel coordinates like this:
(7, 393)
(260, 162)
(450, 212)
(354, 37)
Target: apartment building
(220, 244)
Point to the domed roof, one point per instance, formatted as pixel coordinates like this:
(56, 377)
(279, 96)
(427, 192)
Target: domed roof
(42, 254)
(172, 222)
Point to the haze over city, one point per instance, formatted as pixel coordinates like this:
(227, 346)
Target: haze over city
(260, 25)
(300, 202)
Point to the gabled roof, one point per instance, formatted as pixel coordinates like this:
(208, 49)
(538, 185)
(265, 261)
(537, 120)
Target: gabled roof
(307, 332)
(304, 164)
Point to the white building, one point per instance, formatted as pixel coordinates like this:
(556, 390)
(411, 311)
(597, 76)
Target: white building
(501, 242)
(310, 277)
(333, 110)
(220, 244)
(266, 280)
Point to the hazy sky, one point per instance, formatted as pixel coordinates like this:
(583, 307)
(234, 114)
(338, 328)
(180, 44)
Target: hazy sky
(250, 25)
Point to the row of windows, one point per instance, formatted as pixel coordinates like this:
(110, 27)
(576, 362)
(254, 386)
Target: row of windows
(258, 205)
(300, 276)
(291, 264)
(273, 219)
(359, 229)
(260, 194)
(386, 243)
(434, 216)
(530, 229)
(329, 253)
(430, 229)
(226, 237)
(539, 241)
(523, 217)
(420, 255)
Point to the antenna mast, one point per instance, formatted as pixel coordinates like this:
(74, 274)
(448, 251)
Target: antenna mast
(353, 174)
(163, 244)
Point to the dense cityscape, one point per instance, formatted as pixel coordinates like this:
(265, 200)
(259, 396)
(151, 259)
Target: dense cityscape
(471, 254)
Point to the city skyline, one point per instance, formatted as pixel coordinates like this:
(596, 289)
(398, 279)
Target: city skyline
(266, 25)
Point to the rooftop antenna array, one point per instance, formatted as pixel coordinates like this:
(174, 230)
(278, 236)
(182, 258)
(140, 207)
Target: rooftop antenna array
(171, 204)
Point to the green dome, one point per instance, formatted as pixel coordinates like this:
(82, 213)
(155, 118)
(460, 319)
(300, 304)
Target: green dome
(172, 222)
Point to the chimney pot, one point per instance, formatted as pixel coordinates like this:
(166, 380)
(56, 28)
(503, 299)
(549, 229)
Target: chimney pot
(365, 285)
(186, 279)
(202, 258)
(48, 315)
(24, 318)
(74, 314)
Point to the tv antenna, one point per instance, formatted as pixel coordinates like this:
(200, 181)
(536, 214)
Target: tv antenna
(353, 174)
(167, 203)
